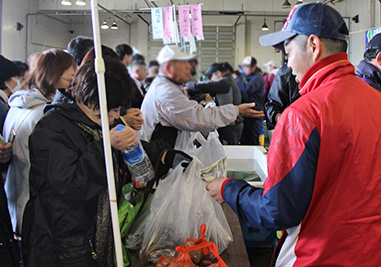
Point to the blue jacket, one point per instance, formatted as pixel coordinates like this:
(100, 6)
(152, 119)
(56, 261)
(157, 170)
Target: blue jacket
(254, 90)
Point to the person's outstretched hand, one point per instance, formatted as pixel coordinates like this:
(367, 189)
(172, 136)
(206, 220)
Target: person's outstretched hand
(247, 111)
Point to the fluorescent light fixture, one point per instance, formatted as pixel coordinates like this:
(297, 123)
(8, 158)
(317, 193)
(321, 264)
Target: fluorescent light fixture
(66, 2)
(114, 26)
(286, 4)
(104, 25)
(264, 26)
(80, 3)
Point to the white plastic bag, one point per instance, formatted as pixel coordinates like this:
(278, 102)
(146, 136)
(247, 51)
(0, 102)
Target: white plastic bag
(181, 204)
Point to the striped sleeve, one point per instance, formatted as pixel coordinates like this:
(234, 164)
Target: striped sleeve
(287, 192)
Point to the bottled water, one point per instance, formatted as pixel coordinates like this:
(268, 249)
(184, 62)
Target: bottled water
(138, 162)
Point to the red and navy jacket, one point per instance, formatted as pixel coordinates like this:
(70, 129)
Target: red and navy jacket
(324, 166)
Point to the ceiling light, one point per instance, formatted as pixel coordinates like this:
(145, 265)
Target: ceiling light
(104, 25)
(66, 2)
(264, 26)
(114, 26)
(80, 3)
(286, 4)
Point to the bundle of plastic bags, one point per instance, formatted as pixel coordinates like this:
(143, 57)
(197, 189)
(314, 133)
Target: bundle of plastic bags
(181, 204)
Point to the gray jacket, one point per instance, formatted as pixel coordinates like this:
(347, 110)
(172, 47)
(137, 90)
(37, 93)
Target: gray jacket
(166, 104)
(17, 181)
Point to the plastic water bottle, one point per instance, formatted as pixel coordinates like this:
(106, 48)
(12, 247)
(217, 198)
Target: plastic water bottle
(137, 161)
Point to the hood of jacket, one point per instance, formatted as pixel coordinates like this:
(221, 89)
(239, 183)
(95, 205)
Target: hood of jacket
(71, 111)
(27, 98)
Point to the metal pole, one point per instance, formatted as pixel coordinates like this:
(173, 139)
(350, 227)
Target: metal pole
(100, 70)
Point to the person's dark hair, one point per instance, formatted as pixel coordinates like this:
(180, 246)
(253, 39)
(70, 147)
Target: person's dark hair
(79, 46)
(136, 64)
(106, 52)
(333, 46)
(50, 65)
(153, 63)
(238, 73)
(138, 57)
(23, 67)
(118, 84)
(227, 67)
(371, 54)
(122, 50)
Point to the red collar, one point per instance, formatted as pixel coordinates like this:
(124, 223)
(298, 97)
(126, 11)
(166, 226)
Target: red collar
(325, 70)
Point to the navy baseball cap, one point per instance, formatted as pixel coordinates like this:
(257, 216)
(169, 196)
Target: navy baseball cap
(214, 68)
(306, 19)
(374, 43)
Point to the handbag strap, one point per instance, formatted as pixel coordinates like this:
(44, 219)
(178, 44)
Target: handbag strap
(26, 113)
(150, 184)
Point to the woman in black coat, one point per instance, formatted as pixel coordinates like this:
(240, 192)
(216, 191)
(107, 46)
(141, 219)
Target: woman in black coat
(67, 220)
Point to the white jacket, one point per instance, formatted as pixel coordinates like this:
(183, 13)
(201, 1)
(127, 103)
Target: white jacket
(17, 181)
(165, 103)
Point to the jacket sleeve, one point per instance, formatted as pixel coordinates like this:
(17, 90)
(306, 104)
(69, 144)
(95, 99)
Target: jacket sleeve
(279, 97)
(73, 169)
(244, 87)
(288, 189)
(178, 111)
(220, 87)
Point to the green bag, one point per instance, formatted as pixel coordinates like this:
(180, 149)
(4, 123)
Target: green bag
(130, 208)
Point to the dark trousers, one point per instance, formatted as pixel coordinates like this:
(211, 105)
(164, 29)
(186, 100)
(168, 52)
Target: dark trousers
(251, 131)
(231, 134)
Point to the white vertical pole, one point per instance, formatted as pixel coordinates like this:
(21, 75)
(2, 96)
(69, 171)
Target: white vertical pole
(100, 70)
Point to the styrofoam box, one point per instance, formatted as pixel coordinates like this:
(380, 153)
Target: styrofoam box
(247, 158)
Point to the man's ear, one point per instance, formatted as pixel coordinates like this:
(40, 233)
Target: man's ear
(378, 58)
(314, 46)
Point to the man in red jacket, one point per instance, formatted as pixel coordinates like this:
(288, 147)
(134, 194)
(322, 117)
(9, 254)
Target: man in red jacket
(324, 180)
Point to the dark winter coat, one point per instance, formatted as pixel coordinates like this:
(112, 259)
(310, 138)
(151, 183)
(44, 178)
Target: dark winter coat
(369, 74)
(66, 177)
(283, 92)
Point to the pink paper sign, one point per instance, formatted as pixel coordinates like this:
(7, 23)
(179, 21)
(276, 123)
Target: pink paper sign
(167, 22)
(184, 21)
(196, 20)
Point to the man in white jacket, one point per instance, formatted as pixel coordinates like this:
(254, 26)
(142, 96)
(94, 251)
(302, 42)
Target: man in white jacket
(168, 113)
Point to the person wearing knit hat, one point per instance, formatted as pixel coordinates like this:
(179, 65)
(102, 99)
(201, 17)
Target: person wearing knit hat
(369, 69)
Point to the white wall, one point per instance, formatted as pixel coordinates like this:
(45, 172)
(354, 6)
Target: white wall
(13, 41)
(48, 32)
(81, 25)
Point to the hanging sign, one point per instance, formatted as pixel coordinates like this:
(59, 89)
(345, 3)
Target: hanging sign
(197, 21)
(157, 22)
(167, 22)
(370, 33)
(192, 43)
(184, 21)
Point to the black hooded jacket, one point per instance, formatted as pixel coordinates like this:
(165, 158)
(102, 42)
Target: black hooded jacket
(66, 176)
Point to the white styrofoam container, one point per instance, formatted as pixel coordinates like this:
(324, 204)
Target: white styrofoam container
(247, 158)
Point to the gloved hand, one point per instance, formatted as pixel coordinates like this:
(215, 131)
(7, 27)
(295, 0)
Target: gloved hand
(174, 157)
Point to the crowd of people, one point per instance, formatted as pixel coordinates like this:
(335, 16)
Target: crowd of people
(54, 200)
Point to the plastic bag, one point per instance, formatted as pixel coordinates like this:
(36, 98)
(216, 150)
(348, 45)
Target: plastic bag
(181, 204)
